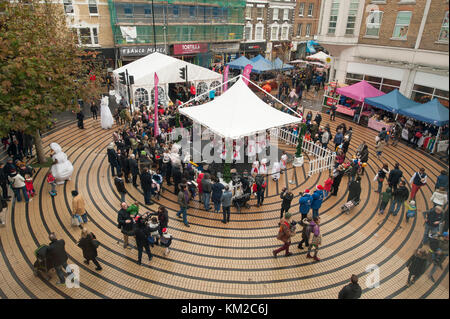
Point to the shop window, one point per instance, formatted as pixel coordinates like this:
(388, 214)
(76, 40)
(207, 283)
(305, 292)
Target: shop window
(373, 79)
(423, 94)
(355, 76)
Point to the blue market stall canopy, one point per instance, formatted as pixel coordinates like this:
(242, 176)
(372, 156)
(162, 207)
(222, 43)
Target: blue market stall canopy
(260, 57)
(239, 63)
(393, 102)
(261, 66)
(279, 65)
(432, 112)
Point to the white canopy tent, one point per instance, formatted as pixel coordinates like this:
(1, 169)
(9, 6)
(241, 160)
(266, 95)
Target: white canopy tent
(168, 70)
(321, 56)
(237, 113)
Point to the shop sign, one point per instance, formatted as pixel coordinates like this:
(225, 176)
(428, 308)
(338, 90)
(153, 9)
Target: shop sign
(259, 46)
(224, 47)
(141, 50)
(191, 48)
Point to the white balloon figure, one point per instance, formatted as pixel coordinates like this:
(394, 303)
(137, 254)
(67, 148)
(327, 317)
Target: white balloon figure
(263, 167)
(175, 157)
(107, 120)
(62, 168)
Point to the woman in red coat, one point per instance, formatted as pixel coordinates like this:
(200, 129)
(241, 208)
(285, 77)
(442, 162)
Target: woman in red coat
(199, 183)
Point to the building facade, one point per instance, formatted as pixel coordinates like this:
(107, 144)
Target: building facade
(255, 29)
(202, 32)
(280, 23)
(90, 21)
(306, 26)
(396, 44)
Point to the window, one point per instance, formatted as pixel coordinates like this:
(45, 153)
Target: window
(259, 31)
(423, 94)
(374, 23)
(274, 33)
(299, 29)
(260, 13)
(68, 7)
(128, 10)
(147, 12)
(286, 14)
(402, 24)
(443, 35)
(87, 36)
(310, 9)
(284, 33)
(176, 11)
(308, 30)
(248, 33)
(215, 12)
(248, 12)
(141, 96)
(275, 14)
(352, 12)
(333, 17)
(383, 84)
(93, 10)
(192, 11)
(301, 9)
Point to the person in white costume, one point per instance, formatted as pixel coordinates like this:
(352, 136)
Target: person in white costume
(283, 161)
(260, 143)
(62, 168)
(263, 167)
(255, 168)
(106, 117)
(276, 171)
(236, 152)
(251, 148)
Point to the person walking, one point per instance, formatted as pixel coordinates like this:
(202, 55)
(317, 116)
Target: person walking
(385, 198)
(146, 183)
(379, 146)
(325, 138)
(317, 199)
(287, 198)
(177, 177)
(316, 240)
(89, 244)
(226, 200)
(284, 234)
(207, 189)
(442, 180)
(352, 290)
(399, 197)
(333, 109)
(57, 258)
(417, 264)
(80, 118)
(337, 178)
(94, 110)
(439, 197)
(305, 202)
(380, 177)
(217, 191)
(142, 233)
(417, 181)
(134, 169)
(120, 186)
(260, 189)
(79, 208)
(354, 190)
(306, 231)
(433, 218)
(113, 159)
(125, 224)
(395, 176)
(18, 185)
(183, 201)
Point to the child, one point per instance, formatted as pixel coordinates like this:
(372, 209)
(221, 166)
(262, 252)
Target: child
(166, 240)
(154, 227)
(411, 210)
(385, 198)
(133, 209)
(52, 181)
(29, 185)
(327, 186)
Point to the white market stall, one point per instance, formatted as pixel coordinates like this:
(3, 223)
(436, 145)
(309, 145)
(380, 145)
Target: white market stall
(168, 70)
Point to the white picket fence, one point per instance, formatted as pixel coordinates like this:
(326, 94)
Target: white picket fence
(324, 158)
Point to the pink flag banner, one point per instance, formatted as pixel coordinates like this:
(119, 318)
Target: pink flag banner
(247, 70)
(225, 78)
(156, 128)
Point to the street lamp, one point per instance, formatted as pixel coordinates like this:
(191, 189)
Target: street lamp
(154, 31)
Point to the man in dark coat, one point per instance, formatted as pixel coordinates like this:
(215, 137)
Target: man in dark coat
(124, 165)
(287, 197)
(399, 197)
(113, 159)
(142, 233)
(337, 178)
(354, 190)
(417, 264)
(28, 145)
(14, 151)
(80, 118)
(89, 246)
(146, 183)
(318, 119)
(4, 182)
(177, 176)
(394, 176)
(120, 186)
(57, 257)
(352, 290)
(134, 169)
(125, 223)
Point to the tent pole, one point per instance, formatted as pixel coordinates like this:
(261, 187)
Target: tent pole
(207, 92)
(273, 97)
(360, 113)
(396, 115)
(437, 140)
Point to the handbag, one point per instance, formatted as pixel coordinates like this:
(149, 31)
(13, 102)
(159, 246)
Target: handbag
(75, 221)
(316, 241)
(84, 217)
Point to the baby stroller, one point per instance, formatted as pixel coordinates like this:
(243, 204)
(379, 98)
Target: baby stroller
(157, 181)
(347, 207)
(42, 265)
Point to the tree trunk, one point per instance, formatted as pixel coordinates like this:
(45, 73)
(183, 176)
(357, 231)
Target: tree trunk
(39, 148)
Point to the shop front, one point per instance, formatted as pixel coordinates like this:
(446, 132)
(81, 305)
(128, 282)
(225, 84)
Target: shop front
(131, 53)
(223, 53)
(196, 53)
(250, 50)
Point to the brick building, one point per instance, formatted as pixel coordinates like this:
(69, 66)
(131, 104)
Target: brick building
(306, 25)
(280, 29)
(255, 29)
